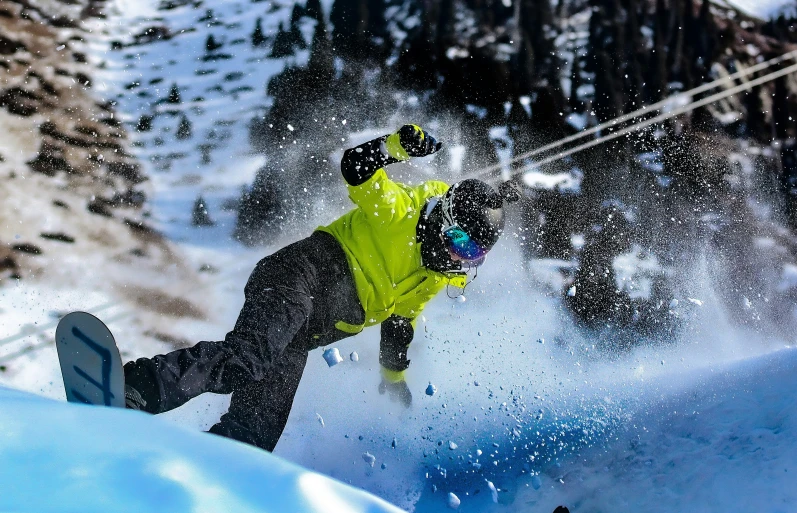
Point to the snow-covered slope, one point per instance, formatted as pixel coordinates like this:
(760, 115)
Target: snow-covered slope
(65, 457)
(145, 49)
(763, 9)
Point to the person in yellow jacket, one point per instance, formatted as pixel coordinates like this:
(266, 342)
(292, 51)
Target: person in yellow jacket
(378, 264)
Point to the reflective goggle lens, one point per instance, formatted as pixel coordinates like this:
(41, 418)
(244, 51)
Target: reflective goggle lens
(462, 245)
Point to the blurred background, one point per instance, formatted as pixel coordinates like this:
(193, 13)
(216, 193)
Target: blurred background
(152, 151)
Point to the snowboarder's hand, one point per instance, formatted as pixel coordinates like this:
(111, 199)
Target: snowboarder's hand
(398, 391)
(417, 142)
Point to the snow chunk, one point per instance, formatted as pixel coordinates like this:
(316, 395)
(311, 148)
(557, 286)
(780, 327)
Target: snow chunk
(320, 419)
(493, 491)
(354, 356)
(431, 389)
(369, 458)
(332, 356)
(571, 291)
(453, 501)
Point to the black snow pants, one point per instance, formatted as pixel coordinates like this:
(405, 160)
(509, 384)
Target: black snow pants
(294, 297)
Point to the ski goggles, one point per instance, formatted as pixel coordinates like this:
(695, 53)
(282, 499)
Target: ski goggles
(457, 239)
(462, 245)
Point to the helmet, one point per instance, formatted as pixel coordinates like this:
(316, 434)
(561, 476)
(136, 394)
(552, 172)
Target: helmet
(473, 218)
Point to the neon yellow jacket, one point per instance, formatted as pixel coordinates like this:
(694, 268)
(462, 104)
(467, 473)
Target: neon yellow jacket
(379, 239)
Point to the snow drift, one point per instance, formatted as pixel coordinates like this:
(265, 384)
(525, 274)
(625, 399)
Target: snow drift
(65, 457)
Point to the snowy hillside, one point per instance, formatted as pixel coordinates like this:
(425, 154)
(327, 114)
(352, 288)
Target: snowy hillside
(187, 101)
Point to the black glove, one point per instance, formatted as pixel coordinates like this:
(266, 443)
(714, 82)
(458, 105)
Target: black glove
(398, 391)
(417, 142)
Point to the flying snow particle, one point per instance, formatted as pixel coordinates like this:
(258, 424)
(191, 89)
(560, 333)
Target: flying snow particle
(332, 356)
(453, 501)
(536, 482)
(493, 491)
(674, 303)
(452, 446)
(290, 127)
(320, 419)
(747, 303)
(478, 452)
(695, 301)
(431, 389)
(369, 458)
(571, 291)
(540, 340)
(394, 443)
(461, 298)
(354, 356)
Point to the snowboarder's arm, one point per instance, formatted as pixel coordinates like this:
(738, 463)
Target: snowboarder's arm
(397, 334)
(361, 162)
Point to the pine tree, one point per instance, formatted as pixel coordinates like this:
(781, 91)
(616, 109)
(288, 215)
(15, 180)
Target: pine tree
(313, 10)
(607, 101)
(321, 64)
(174, 94)
(200, 215)
(144, 123)
(657, 67)
(283, 44)
(633, 50)
(297, 40)
(575, 103)
(350, 28)
(781, 110)
(259, 211)
(211, 45)
(258, 38)
(523, 66)
(184, 128)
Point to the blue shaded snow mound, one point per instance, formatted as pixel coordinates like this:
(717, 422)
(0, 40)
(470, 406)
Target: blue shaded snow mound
(58, 456)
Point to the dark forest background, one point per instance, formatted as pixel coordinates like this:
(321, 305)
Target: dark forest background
(697, 194)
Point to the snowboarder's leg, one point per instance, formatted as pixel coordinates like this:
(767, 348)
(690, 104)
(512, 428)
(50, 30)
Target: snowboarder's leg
(279, 302)
(259, 412)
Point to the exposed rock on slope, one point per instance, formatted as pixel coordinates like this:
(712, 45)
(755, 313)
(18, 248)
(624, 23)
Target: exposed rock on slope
(72, 199)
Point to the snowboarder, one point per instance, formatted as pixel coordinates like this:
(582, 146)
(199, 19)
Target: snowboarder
(378, 264)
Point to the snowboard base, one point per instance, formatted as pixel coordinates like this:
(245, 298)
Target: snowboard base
(90, 363)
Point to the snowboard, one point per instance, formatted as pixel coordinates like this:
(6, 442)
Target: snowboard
(90, 361)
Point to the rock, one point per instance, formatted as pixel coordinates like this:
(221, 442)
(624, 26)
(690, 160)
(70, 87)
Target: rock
(28, 248)
(99, 207)
(61, 237)
(9, 46)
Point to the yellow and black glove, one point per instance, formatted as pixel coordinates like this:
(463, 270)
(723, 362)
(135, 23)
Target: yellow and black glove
(361, 162)
(396, 388)
(411, 141)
